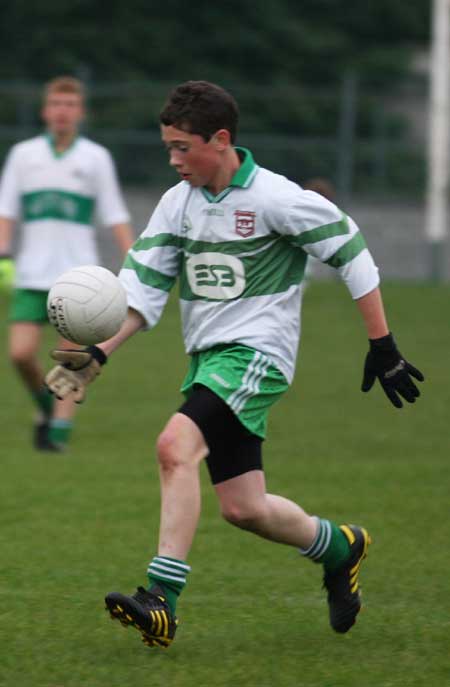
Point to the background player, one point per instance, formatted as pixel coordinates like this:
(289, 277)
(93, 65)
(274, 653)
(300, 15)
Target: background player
(237, 237)
(53, 184)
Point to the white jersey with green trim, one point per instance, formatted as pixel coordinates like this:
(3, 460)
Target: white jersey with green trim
(56, 197)
(240, 259)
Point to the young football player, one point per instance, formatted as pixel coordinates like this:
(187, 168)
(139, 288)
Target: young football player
(53, 185)
(237, 237)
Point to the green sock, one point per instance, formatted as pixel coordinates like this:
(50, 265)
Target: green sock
(170, 575)
(44, 400)
(59, 431)
(330, 547)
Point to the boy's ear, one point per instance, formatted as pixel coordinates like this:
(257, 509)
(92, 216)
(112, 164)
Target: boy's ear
(221, 139)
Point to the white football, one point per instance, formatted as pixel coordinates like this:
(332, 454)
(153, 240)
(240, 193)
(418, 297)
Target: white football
(87, 304)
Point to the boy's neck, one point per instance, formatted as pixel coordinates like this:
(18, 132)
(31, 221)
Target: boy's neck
(62, 141)
(226, 171)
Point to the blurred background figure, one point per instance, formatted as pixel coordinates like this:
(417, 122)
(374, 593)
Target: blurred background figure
(322, 186)
(53, 185)
(352, 108)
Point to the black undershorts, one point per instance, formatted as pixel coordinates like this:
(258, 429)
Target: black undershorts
(233, 449)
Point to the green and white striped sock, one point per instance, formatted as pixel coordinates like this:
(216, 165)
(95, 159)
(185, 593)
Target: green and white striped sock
(59, 431)
(170, 575)
(44, 400)
(330, 547)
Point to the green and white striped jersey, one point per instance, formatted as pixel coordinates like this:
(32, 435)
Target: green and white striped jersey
(240, 258)
(56, 196)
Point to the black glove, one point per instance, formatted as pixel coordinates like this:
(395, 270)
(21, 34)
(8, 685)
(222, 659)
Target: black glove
(393, 371)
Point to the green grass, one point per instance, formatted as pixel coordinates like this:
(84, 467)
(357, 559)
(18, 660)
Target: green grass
(76, 526)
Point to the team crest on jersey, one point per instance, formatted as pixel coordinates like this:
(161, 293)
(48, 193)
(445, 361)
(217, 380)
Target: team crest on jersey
(245, 223)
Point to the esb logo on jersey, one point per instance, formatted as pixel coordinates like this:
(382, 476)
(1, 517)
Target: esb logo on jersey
(245, 223)
(215, 276)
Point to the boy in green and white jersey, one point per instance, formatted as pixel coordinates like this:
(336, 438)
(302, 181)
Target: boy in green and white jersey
(240, 257)
(55, 185)
(236, 237)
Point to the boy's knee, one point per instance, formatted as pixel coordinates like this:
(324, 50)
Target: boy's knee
(171, 453)
(244, 516)
(21, 357)
(166, 450)
(180, 445)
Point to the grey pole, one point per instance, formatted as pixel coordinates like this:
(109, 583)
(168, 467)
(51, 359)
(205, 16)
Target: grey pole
(438, 140)
(346, 135)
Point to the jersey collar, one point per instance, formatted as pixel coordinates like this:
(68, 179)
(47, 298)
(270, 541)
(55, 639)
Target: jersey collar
(51, 142)
(242, 178)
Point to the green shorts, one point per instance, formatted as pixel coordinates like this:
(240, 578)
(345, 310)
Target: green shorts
(244, 378)
(28, 305)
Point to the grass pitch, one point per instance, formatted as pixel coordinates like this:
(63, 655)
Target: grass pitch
(78, 525)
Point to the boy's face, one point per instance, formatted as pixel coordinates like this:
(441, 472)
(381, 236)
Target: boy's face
(195, 160)
(63, 113)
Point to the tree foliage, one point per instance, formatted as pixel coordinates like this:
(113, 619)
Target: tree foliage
(282, 42)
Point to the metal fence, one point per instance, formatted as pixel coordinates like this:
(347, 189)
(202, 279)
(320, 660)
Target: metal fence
(370, 146)
(361, 140)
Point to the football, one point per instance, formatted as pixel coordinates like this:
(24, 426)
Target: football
(87, 304)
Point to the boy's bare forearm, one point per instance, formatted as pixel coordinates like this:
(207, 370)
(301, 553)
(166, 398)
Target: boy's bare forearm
(372, 311)
(124, 237)
(133, 323)
(6, 228)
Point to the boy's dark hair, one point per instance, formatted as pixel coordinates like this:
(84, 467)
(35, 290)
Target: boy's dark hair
(200, 107)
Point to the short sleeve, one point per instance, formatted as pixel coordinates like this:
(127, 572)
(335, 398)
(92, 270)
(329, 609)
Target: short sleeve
(10, 186)
(110, 205)
(152, 264)
(314, 224)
